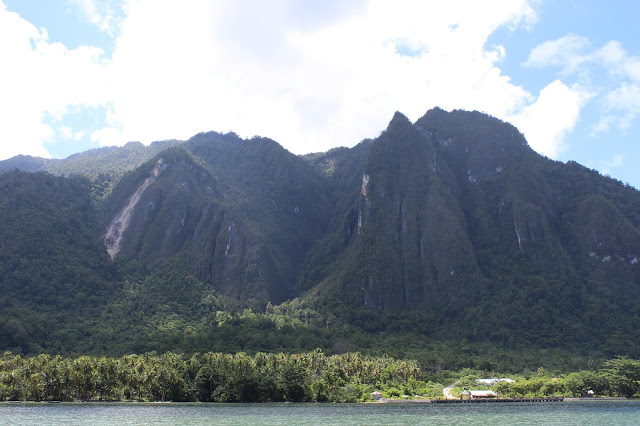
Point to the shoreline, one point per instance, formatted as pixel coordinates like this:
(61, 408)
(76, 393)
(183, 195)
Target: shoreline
(600, 398)
(380, 401)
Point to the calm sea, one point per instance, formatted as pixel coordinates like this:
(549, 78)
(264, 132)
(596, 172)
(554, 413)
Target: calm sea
(556, 413)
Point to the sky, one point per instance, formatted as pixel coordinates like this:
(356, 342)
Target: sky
(312, 75)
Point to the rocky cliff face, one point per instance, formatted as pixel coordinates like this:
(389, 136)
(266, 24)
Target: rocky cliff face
(120, 223)
(456, 214)
(176, 209)
(244, 218)
(412, 240)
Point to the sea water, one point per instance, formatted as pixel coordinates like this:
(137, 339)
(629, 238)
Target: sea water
(554, 413)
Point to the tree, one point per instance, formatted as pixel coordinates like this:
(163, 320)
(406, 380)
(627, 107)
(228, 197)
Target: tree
(624, 376)
(294, 380)
(574, 384)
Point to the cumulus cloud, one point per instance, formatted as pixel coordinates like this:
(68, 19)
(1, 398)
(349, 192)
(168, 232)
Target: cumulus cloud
(621, 107)
(618, 93)
(255, 69)
(626, 97)
(555, 113)
(39, 80)
(622, 103)
(566, 52)
(307, 76)
(618, 61)
(103, 14)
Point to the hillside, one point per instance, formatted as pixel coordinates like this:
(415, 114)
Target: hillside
(103, 166)
(459, 221)
(449, 238)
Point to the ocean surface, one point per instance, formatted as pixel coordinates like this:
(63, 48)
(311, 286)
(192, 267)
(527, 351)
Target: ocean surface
(554, 413)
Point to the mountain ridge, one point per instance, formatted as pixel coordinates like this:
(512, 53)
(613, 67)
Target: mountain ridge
(453, 221)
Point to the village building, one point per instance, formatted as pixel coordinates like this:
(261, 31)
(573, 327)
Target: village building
(376, 395)
(478, 394)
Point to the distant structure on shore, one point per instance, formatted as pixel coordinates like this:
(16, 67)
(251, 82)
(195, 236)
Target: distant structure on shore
(493, 381)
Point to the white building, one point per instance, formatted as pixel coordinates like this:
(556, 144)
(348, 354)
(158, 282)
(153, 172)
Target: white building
(493, 381)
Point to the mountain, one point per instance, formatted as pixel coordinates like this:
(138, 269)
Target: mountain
(245, 232)
(450, 231)
(458, 220)
(51, 261)
(284, 200)
(104, 166)
(109, 160)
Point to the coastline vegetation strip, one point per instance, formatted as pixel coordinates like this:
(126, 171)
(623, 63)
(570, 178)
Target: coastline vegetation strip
(209, 377)
(271, 377)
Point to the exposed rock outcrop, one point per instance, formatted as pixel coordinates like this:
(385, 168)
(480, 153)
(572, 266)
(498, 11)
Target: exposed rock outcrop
(120, 223)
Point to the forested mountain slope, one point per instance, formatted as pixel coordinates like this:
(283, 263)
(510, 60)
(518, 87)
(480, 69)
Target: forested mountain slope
(103, 166)
(51, 261)
(450, 229)
(459, 221)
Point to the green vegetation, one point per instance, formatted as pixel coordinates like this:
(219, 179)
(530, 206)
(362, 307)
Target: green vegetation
(216, 377)
(448, 241)
(618, 377)
(267, 377)
(102, 166)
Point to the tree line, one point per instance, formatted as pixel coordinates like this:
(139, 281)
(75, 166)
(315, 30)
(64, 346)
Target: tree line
(275, 377)
(618, 377)
(208, 377)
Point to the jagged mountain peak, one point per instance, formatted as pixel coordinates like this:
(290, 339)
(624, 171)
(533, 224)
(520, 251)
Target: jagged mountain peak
(398, 119)
(475, 144)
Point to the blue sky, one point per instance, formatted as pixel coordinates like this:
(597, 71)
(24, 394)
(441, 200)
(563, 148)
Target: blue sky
(79, 74)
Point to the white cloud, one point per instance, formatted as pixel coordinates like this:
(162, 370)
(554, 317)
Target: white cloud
(572, 53)
(608, 165)
(103, 14)
(618, 62)
(626, 97)
(566, 52)
(108, 136)
(65, 132)
(20, 122)
(249, 67)
(604, 124)
(621, 107)
(555, 113)
(617, 90)
(307, 76)
(39, 81)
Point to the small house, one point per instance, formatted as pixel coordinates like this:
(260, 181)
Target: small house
(478, 394)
